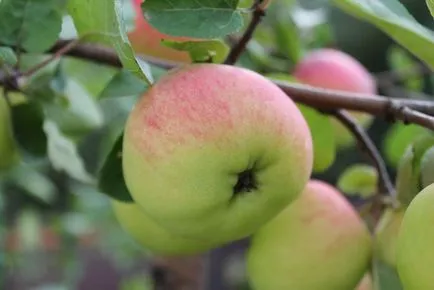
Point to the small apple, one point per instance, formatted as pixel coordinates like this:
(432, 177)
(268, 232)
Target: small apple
(333, 69)
(8, 151)
(386, 234)
(146, 39)
(215, 151)
(150, 235)
(414, 249)
(318, 242)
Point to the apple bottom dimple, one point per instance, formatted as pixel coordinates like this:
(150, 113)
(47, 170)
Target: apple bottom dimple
(191, 191)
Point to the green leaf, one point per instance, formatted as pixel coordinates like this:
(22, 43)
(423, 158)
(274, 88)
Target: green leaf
(111, 179)
(92, 76)
(101, 21)
(359, 179)
(392, 18)
(27, 122)
(33, 182)
(63, 153)
(427, 168)
(430, 4)
(398, 138)
(194, 18)
(81, 113)
(324, 145)
(287, 36)
(32, 25)
(408, 180)
(123, 84)
(202, 51)
(399, 60)
(385, 277)
(7, 56)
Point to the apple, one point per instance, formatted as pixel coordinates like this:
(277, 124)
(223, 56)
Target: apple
(333, 69)
(146, 39)
(414, 249)
(215, 151)
(8, 151)
(318, 242)
(153, 237)
(386, 234)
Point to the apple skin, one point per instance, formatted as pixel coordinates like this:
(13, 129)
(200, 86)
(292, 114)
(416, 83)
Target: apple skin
(215, 151)
(150, 235)
(8, 151)
(146, 39)
(333, 69)
(318, 242)
(415, 254)
(386, 234)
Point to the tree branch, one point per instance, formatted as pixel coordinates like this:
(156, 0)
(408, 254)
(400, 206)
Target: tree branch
(420, 112)
(240, 46)
(61, 51)
(385, 184)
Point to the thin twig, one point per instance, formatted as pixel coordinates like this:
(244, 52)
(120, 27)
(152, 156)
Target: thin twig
(240, 46)
(384, 181)
(61, 51)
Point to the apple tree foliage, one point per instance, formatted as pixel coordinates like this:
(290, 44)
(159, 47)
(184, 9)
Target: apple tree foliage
(67, 115)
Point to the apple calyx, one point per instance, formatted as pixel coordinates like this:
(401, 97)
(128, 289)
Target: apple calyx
(246, 182)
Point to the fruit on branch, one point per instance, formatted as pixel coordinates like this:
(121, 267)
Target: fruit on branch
(146, 39)
(333, 69)
(153, 237)
(386, 234)
(8, 151)
(415, 255)
(318, 242)
(215, 151)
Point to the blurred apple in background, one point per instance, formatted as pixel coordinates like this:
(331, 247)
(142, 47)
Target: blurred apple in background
(333, 69)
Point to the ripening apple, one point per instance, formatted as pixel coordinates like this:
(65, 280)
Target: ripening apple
(414, 250)
(8, 152)
(153, 237)
(386, 234)
(318, 242)
(333, 69)
(215, 151)
(146, 39)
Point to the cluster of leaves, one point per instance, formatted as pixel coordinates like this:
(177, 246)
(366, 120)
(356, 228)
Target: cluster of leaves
(69, 115)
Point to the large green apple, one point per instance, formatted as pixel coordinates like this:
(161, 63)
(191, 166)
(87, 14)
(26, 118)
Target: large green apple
(150, 235)
(415, 245)
(318, 242)
(333, 69)
(8, 152)
(386, 234)
(215, 151)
